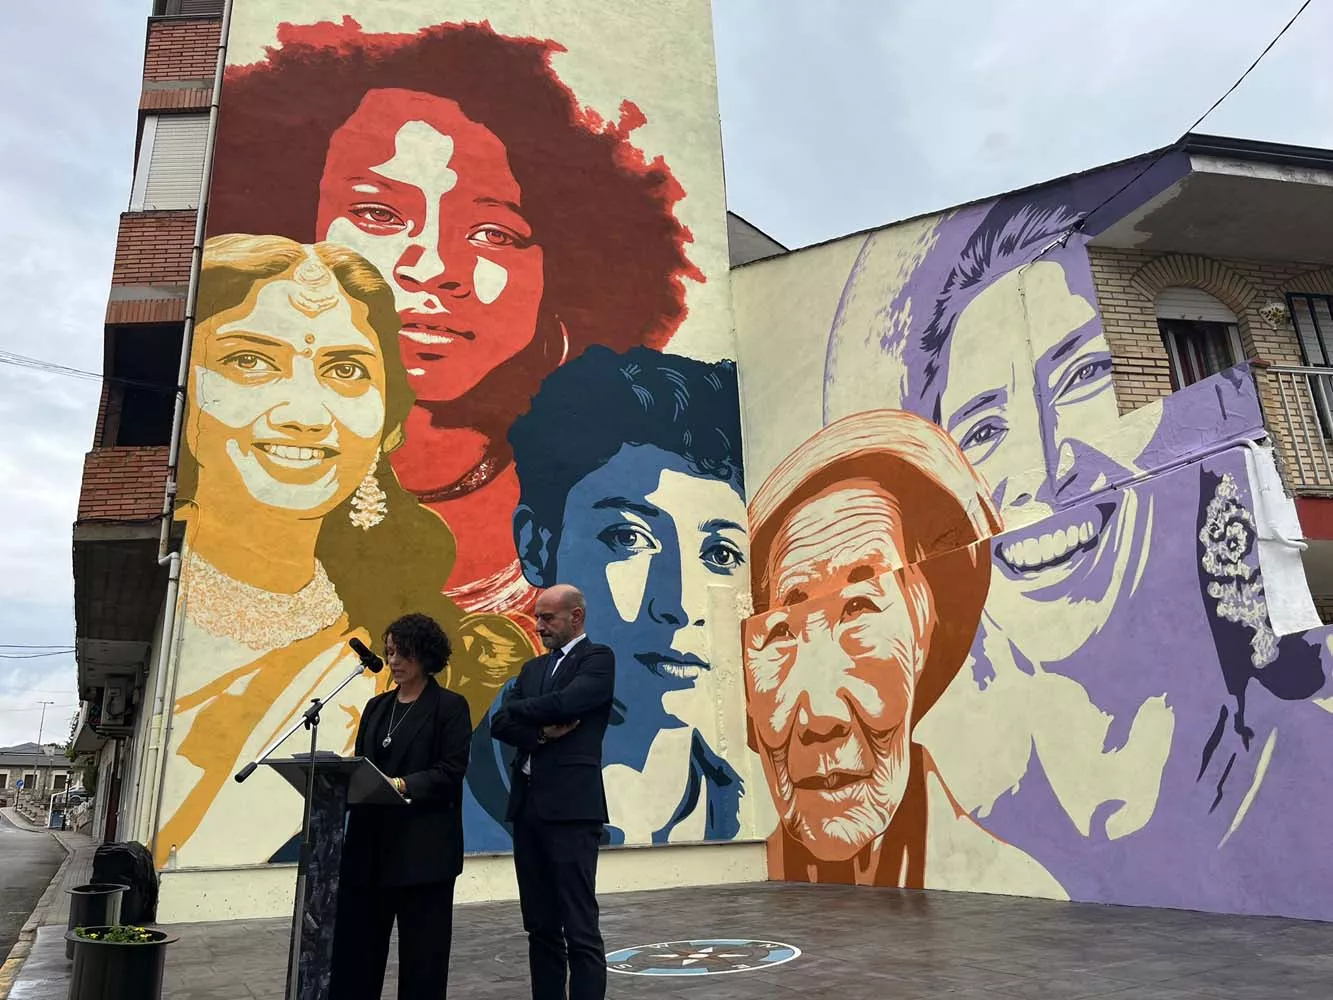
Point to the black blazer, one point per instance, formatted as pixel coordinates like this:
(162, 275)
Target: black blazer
(422, 842)
(566, 784)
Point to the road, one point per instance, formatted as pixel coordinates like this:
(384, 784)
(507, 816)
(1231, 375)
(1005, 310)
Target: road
(28, 861)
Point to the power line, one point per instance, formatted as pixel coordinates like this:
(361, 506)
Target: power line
(51, 368)
(1158, 158)
(36, 656)
(35, 645)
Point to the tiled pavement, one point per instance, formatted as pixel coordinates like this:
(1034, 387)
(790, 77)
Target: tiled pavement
(871, 943)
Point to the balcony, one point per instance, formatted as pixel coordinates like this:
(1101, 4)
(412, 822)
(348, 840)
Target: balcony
(1299, 405)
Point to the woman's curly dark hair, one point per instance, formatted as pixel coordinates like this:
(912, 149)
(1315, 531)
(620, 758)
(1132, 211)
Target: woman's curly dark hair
(604, 213)
(419, 637)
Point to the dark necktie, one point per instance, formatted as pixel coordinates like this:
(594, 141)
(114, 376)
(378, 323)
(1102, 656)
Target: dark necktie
(556, 656)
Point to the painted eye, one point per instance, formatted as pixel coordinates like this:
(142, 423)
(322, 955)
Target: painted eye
(348, 371)
(248, 361)
(374, 217)
(858, 606)
(627, 538)
(722, 556)
(498, 236)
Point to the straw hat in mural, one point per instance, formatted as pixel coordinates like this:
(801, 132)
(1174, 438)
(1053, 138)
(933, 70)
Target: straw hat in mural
(945, 508)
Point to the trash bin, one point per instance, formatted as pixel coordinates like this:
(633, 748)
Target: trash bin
(93, 905)
(129, 864)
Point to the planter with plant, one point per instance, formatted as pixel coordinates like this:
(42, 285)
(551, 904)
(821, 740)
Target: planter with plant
(119, 962)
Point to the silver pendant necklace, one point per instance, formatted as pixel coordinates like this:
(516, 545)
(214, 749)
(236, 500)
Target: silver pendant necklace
(393, 710)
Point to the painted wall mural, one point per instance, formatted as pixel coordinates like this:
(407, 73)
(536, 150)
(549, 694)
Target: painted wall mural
(1005, 639)
(443, 251)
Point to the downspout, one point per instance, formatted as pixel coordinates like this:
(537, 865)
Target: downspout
(1183, 460)
(165, 557)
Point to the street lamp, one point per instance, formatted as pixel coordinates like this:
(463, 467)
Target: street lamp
(41, 726)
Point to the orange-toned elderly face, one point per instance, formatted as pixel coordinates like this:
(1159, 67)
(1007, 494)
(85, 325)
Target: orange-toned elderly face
(831, 669)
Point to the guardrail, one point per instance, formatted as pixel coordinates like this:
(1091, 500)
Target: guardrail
(1303, 424)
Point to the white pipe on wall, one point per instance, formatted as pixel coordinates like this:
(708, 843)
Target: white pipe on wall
(162, 715)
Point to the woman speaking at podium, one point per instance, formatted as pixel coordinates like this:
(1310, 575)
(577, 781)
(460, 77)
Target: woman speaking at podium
(401, 862)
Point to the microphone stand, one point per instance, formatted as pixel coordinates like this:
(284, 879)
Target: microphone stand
(310, 720)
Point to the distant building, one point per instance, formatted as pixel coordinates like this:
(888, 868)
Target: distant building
(35, 772)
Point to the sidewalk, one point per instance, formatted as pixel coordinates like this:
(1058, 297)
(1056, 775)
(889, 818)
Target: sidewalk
(779, 941)
(28, 971)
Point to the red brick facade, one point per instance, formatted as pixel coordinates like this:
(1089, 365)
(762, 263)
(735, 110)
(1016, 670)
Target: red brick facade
(153, 248)
(181, 48)
(123, 484)
(126, 311)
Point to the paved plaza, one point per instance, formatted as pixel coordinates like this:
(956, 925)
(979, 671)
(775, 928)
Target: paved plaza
(852, 943)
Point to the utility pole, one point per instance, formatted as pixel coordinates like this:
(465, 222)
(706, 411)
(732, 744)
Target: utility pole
(41, 726)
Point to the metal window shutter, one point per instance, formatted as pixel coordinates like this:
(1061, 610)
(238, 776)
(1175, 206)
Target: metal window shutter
(1192, 304)
(196, 7)
(178, 162)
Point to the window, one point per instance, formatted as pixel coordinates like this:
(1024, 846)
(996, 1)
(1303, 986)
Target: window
(144, 362)
(1313, 317)
(1201, 334)
(4, 779)
(187, 8)
(59, 784)
(171, 163)
(30, 781)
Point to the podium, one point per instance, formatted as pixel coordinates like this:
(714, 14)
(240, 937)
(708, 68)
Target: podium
(330, 786)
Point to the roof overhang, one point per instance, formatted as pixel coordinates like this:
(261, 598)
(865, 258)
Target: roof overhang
(1238, 199)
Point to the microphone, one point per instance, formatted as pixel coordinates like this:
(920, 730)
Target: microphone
(369, 660)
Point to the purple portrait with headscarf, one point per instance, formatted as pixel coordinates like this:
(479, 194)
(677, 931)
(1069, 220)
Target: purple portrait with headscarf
(1130, 720)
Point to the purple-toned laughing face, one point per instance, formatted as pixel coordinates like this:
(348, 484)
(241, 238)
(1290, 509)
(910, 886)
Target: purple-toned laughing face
(1041, 426)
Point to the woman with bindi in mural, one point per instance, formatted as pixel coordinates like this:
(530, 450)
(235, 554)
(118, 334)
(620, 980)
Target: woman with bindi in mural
(298, 536)
(514, 227)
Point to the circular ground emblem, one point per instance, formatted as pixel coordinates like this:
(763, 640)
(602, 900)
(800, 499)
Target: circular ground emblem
(707, 957)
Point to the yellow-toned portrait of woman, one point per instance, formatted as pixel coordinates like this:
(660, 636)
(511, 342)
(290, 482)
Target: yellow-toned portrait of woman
(298, 536)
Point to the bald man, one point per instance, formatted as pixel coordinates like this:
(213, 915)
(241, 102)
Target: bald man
(556, 715)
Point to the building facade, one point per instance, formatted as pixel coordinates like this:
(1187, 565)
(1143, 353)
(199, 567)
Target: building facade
(32, 773)
(983, 551)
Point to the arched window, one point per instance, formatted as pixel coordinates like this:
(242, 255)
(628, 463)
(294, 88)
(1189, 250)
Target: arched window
(1201, 335)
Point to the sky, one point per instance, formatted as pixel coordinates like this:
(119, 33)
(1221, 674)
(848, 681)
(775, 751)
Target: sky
(837, 115)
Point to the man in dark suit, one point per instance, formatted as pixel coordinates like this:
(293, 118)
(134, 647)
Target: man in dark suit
(556, 715)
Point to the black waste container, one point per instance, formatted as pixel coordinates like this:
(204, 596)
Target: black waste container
(129, 864)
(95, 905)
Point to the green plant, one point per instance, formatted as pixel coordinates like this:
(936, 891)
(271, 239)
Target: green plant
(120, 934)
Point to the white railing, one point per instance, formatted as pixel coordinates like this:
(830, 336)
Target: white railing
(1303, 424)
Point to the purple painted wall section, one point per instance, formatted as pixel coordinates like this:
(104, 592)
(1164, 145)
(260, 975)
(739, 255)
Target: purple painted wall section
(1126, 724)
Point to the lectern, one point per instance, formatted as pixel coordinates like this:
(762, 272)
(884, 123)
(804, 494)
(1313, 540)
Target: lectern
(337, 782)
(329, 783)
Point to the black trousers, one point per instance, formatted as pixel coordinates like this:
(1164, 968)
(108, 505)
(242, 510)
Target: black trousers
(556, 865)
(425, 916)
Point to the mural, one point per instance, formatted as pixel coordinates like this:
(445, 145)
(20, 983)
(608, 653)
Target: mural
(433, 271)
(1120, 722)
(631, 489)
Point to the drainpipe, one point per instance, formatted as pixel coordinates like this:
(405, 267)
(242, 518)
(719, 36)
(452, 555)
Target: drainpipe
(1228, 445)
(168, 658)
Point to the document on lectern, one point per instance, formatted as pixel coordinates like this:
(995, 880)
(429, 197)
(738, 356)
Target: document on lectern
(366, 784)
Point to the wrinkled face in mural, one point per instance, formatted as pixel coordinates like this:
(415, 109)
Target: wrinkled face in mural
(427, 196)
(644, 536)
(1027, 426)
(831, 671)
(288, 400)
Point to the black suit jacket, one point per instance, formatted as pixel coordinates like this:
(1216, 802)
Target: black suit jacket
(566, 782)
(422, 842)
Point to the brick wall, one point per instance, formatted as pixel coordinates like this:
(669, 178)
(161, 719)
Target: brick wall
(123, 484)
(182, 48)
(153, 248)
(1128, 282)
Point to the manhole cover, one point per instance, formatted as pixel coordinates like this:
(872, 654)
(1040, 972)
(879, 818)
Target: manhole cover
(705, 957)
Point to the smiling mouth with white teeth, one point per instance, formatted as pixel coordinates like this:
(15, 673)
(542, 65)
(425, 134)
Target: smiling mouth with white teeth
(1039, 552)
(292, 456)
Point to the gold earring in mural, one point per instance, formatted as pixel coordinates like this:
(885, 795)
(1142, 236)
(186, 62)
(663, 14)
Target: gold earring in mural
(369, 503)
(564, 342)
